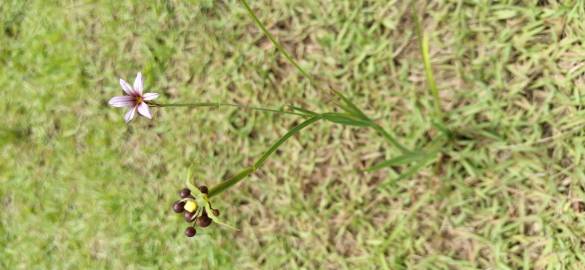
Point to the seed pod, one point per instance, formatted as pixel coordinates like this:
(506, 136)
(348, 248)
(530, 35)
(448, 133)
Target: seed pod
(179, 206)
(215, 212)
(203, 221)
(184, 193)
(204, 189)
(190, 232)
(189, 216)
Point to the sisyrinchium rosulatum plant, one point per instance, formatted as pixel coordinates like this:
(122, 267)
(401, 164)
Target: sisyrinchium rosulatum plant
(195, 201)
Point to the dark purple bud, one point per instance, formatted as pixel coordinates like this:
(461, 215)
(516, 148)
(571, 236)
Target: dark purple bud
(179, 206)
(204, 189)
(189, 216)
(190, 232)
(203, 221)
(185, 193)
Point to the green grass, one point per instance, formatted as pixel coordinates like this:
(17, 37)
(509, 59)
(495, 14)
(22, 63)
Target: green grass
(79, 189)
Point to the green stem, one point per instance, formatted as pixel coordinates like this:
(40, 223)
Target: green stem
(219, 104)
(286, 136)
(219, 188)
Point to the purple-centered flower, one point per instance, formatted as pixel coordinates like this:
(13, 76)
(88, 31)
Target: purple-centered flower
(134, 99)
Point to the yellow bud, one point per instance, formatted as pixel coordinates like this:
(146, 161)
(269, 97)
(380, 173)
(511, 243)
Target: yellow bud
(190, 206)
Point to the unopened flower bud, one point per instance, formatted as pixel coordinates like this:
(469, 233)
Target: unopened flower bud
(204, 189)
(179, 206)
(185, 193)
(190, 232)
(189, 216)
(203, 221)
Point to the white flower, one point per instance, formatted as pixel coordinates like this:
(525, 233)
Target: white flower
(134, 99)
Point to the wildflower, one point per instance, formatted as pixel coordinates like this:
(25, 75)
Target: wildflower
(135, 99)
(196, 208)
(194, 205)
(190, 206)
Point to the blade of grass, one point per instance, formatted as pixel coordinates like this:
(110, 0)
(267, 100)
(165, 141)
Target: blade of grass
(302, 110)
(345, 119)
(440, 126)
(390, 138)
(350, 107)
(416, 156)
(417, 166)
(432, 84)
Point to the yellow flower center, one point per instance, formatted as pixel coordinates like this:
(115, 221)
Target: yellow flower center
(190, 206)
(139, 99)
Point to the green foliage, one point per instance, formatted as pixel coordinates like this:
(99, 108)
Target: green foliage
(79, 189)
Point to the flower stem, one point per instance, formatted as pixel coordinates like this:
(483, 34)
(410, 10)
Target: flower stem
(220, 104)
(219, 188)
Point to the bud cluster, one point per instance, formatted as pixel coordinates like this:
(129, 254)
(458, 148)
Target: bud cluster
(195, 215)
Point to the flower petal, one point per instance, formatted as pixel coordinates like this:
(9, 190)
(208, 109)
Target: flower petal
(143, 109)
(149, 96)
(127, 88)
(122, 101)
(138, 84)
(130, 114)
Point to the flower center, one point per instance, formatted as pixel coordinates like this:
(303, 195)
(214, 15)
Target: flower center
(190, 206)
(139, 99)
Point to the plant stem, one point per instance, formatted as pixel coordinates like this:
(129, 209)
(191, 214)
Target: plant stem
(219, 188)
(219, 104)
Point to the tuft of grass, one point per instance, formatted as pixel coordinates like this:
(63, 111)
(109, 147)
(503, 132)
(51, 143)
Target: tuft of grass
(80, 189)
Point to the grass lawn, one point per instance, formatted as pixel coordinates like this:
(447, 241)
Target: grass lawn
(80, 189)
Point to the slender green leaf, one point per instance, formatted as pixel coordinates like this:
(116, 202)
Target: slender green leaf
(350, 107)
(442, 128)
(302, 110)
(432, 84)
(419, 165)
(345, 119)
